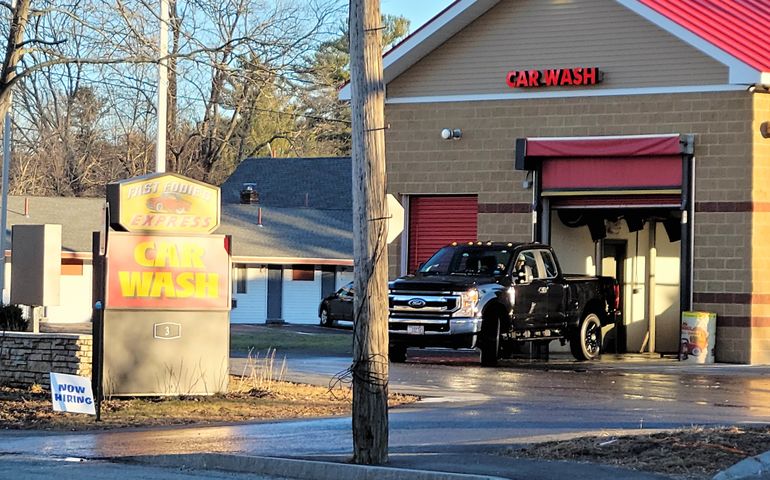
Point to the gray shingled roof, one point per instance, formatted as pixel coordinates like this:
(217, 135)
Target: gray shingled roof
(286, 232)
(323, 182)
(289, 232)
(79, 217)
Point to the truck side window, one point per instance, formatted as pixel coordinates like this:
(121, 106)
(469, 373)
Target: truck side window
(549, 264)
(526, 260)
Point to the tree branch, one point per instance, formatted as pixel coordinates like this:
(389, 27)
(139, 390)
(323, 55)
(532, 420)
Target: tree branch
(41, 42)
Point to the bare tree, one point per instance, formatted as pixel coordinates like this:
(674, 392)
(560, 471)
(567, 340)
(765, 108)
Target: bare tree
(232, 62)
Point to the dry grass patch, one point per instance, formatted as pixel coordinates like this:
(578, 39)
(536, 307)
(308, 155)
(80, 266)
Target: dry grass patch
(689, 454)
(244, 402)
(260, 392)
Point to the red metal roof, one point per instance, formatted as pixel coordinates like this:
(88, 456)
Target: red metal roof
(739, 27)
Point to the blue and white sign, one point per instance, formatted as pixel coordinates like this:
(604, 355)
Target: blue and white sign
(71, 393)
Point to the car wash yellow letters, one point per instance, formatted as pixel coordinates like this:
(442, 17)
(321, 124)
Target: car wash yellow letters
(167, 272)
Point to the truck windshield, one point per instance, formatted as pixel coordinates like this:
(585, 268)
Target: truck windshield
(468, 260)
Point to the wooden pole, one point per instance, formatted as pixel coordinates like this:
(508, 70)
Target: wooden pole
(370, 328)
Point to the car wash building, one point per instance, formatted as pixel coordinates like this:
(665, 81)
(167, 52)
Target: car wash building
(632, 135)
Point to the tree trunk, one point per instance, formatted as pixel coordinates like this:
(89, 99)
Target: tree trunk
(19, 19)
(370, 341)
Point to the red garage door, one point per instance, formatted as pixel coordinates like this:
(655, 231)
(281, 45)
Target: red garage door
(438, 221)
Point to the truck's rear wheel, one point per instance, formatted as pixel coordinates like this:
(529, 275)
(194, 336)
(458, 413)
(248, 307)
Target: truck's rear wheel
(489, 342)
(397, 354)
(586, 341)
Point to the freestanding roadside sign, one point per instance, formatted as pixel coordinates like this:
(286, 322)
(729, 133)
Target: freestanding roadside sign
(165, 298)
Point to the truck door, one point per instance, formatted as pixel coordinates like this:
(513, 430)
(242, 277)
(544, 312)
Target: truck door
(531, 291)
(557, 292)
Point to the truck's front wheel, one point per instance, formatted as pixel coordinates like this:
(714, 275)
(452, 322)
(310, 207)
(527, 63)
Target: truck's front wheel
(586, 341)
(489, 342)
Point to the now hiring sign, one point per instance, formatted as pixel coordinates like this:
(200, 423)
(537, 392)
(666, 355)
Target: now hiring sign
(71, 393)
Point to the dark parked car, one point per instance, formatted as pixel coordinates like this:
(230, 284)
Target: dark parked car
(337, 306)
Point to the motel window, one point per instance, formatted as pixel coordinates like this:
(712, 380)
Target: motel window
(240, 279)
(303, 273)
(71, 267)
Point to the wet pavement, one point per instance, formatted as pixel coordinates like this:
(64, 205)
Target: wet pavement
(466, 409)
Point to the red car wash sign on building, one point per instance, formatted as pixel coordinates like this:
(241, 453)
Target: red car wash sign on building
(554, 77)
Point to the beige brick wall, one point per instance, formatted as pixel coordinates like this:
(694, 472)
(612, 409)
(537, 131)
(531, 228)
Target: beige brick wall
(760, 314)
(732, 345)
(728, 158)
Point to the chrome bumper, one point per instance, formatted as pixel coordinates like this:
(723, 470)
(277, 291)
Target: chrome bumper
(457, 325)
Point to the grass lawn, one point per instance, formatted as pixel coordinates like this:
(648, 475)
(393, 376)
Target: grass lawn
(282, 339)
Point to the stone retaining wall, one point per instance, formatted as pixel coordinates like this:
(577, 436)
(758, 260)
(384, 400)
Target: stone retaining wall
(27, 358)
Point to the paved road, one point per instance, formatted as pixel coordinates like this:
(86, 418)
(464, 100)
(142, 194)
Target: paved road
(467, 408)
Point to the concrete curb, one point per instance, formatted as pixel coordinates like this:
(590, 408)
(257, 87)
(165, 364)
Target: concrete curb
(757, 467)
(295, 468)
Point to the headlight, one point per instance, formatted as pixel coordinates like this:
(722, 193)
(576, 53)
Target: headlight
(469, 303)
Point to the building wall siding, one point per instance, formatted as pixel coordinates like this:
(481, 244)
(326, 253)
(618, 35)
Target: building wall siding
(75, 302)
(532, 34)
(252, 305)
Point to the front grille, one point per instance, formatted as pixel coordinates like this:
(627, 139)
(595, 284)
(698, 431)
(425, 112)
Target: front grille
(440, 304)
(431, 311)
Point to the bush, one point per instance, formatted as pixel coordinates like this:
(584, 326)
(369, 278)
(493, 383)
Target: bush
(11, 319)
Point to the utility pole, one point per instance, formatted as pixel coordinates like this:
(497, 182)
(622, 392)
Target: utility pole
(160, 154)
(370, 328)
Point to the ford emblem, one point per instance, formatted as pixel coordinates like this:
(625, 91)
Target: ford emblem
(416, 303)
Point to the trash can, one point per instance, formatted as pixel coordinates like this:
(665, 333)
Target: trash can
(699, 331)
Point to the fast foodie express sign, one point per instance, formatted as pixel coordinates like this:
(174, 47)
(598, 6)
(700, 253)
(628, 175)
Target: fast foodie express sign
(163, 202)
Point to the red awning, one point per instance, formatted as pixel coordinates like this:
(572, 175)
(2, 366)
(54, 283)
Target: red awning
(617, 173)
(619, 164)
(622, 146)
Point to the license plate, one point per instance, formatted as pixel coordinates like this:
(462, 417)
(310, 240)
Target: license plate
(415, 329)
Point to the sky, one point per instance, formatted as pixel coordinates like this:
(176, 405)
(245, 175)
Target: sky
(417, 11)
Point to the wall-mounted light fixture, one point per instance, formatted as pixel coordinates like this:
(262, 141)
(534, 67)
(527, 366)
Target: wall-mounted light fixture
(527, 183)
(449, 133)
(764, 129)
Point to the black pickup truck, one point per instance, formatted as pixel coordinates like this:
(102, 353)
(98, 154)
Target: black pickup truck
(491, 296)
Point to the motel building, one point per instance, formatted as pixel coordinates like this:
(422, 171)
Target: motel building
(631, 135)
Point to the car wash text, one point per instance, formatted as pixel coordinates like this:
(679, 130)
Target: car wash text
(554, 77)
